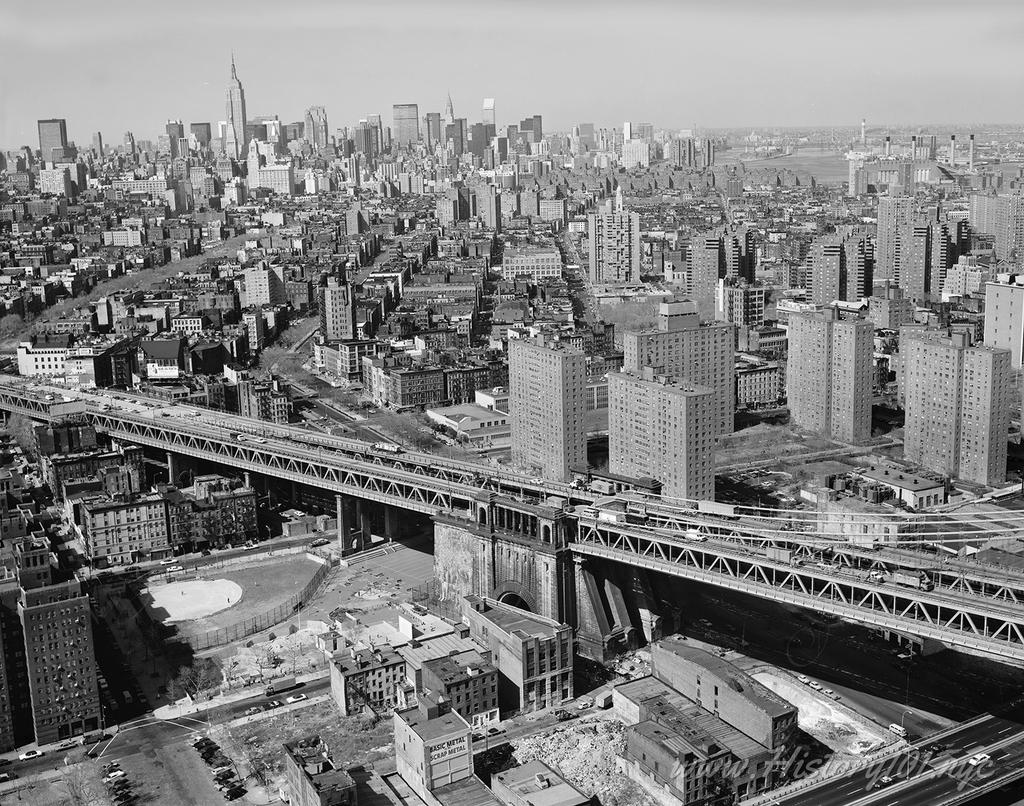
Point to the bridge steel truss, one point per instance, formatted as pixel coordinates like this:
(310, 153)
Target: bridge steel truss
(977, 623)
(448, 479)
(953, 574)
(370, 478)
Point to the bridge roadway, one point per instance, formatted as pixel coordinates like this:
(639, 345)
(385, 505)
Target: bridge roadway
(978, 623)
(417, 481)
(922, 777)
(801, 534)
(429, 484)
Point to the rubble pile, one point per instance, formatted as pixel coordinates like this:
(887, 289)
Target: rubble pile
(584, 753)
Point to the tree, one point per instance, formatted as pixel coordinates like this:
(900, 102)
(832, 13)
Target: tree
(197, 680)
(21, 428)
(79, 785)
(12, 325)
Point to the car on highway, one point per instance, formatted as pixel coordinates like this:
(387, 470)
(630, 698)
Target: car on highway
(978, 759)
(885, 780)
(815, 685)
(937, 747)
(296, 698)
(804, 679)
(28, 755)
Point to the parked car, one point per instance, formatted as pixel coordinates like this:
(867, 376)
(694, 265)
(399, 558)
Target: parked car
(7, 776)
(830, 693)
(296, 698)
(320, 541)
(253, 711)
(804, 679)
(815, 685)
(113, 775)
(30, 754)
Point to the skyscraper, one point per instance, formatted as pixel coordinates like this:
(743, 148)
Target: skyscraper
(316, 127)
(894, 213)
(407, 124)
(433, 126)
(53, 133)
(829, 375)
(488, 113)
(236, 144)
(957, 403)
(696, 352)
(662, 428)
(613, 237)
(546, 408)
(449, 110)
(203, 134)
(1004, 316)
(175, 131)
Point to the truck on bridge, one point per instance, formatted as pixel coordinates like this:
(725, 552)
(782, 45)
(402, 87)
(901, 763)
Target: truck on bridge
(913, 579)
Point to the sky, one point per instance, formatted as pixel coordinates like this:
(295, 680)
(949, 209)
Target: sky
(117, 65)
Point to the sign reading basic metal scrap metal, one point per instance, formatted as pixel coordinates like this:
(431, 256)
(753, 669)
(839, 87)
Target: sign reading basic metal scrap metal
(445, 750)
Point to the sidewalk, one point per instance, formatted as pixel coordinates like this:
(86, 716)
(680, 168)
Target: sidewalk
(173, 711)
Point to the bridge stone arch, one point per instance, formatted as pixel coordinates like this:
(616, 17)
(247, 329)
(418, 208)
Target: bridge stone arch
(516, 594)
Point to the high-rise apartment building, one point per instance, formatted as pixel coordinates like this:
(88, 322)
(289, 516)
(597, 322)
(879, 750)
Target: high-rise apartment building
(236, 143)
(53, 133)
(264, 285)
(699, 353)
(894, 213)
(406, 130)
(315, 129)
(337, 310)
(913, 260)
(1004, 316)
(48, 688)
(665, 429)
(740, 304)
(829, 375)
(614, 242)
(636, 154)
(1003, 218)
(957, 403)
(547, 386)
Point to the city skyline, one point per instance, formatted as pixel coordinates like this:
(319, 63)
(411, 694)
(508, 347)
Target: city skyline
(754, 79)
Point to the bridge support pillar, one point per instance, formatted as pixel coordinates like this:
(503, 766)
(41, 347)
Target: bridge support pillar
(247, 476)
(344, 520)
(392, 524)
(173, 468)
(365, 524)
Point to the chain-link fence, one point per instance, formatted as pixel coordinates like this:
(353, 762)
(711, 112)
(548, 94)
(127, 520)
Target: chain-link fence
(260, 622)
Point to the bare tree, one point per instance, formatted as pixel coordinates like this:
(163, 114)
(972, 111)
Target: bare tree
(79, 785)
(196, 680)
(20, 427)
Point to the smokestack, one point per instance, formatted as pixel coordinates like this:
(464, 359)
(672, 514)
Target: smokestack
(913, 146)
(970, 154)
(863, 131)
(952, 149)
(888, 146)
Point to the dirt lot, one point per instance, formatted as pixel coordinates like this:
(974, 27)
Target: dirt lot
(766, 442)
(355, 740)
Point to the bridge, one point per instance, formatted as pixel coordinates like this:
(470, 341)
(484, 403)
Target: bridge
(600, 564)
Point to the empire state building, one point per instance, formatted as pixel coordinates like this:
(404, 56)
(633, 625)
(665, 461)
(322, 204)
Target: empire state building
(235, 140)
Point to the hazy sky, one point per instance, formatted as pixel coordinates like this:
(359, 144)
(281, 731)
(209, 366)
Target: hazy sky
(114, 65)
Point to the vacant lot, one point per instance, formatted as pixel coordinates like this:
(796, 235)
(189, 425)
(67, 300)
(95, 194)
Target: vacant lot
(354, 740)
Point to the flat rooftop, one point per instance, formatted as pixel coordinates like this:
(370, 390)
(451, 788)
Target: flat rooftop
(512, 619)
(427, 729)
(526, 780)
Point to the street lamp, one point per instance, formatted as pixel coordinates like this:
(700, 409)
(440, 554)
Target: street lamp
(903, 716)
